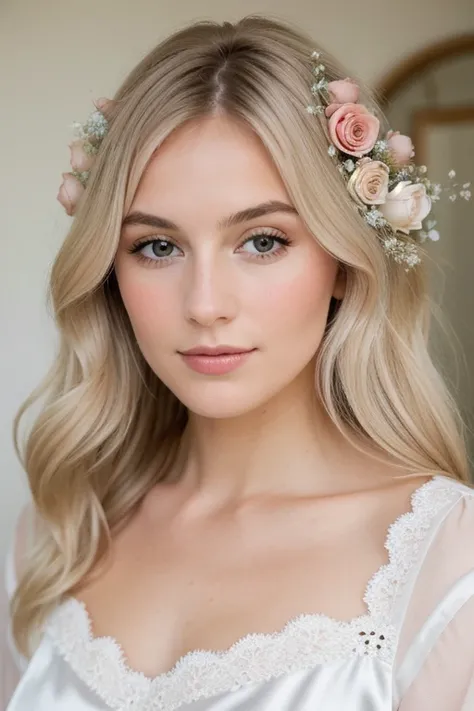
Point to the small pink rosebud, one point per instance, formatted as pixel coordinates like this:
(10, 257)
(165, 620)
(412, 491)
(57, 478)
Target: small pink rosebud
(104, 105)
(70, 192)
(80, 160)
(344, 91)
(401, 147)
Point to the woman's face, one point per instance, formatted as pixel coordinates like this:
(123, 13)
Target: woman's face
(196, 278)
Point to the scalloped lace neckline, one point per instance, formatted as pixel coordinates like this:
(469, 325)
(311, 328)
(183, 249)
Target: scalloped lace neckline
(102, 663)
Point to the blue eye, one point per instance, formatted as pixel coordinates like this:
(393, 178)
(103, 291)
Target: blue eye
(264, 245)
(160, 248)
(160, 251)
(264, 242)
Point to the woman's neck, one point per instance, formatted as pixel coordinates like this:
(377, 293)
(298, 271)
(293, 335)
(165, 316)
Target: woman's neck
(288, 446)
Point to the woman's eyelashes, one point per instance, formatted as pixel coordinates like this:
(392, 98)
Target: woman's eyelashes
(265, 244)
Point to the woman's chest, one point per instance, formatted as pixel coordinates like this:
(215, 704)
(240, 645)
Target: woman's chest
(162, 602)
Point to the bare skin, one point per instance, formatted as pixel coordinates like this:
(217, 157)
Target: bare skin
(274, 513)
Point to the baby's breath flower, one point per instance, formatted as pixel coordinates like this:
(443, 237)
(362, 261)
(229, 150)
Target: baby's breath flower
(90, 149)
(320, 85)
(81, 176)
(435, 191)
(402, 252)
(375, 218)
(315, 110)
(381, 146)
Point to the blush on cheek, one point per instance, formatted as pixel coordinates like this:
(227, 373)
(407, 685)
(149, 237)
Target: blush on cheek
(148, 308)
(299, 302)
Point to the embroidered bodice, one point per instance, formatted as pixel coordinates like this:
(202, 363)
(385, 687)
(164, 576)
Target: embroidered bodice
(379, 661)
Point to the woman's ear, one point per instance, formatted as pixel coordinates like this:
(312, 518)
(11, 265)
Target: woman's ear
(340, 284)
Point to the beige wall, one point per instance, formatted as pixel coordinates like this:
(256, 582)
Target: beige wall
(55, 57)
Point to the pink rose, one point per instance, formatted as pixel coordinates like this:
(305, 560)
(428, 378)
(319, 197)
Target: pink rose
(80, 159)
(343, 91)
(70, 192)
(368, 184)
(353, 129)
(401, 147)
(406, 206)
(104, 105)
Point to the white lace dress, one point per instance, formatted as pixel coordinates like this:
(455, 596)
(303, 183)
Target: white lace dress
(413, 650)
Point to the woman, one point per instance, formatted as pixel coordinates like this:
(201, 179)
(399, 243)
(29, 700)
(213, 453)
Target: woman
(243, 426)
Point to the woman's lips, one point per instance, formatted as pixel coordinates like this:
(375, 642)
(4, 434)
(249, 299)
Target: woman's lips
(216, 364)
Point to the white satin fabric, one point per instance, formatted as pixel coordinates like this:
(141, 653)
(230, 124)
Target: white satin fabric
(414, 650)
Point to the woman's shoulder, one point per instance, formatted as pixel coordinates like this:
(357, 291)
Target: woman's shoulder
(440, 535)
(13, 663)
(465, 489)
(447, 494)
(456, 524)
(444, 508)
(18, 547)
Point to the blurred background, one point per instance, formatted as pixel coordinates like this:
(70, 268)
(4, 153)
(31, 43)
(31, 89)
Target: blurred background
(56, 56)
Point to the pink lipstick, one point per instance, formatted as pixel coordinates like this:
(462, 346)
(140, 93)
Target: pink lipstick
(217, 360)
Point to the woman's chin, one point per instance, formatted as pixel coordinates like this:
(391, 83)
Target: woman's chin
(222, 402)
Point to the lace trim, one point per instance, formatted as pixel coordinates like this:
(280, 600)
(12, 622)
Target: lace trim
(403, 541)
(304, 642)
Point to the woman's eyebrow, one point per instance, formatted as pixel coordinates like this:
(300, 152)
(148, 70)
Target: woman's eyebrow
(250, 213)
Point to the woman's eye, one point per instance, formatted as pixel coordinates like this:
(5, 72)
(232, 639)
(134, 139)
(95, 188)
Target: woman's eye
(159, 252)
(159, 248)
(263, 245)
(154, 250)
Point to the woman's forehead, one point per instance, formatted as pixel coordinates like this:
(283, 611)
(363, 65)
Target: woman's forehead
(216, 163)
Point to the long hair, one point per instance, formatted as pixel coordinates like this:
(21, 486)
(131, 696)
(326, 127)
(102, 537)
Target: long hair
(108, 429)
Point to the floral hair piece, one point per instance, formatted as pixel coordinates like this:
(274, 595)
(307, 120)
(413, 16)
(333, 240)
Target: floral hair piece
(392, 193)
(84, 149)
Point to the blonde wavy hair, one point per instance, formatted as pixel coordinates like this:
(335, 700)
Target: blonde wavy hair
(108, 429)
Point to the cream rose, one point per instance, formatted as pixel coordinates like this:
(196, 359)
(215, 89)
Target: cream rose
(353, 129)
(80, 159)
(368, 184)
(406, 206)
(401, 147)
(70, 192)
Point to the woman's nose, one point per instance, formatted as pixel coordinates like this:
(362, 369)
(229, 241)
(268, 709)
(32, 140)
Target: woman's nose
(211, 293)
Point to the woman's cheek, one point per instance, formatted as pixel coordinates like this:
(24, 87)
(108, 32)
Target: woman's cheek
(148, 304)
